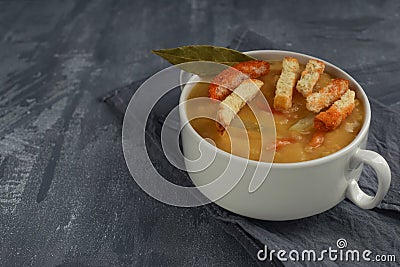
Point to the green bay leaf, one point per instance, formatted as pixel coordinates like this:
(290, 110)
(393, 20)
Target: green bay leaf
(193, 53)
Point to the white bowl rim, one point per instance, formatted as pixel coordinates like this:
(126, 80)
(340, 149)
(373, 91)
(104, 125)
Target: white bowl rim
(359, 91)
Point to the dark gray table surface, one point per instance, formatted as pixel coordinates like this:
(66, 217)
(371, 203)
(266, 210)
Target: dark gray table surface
(66, 196)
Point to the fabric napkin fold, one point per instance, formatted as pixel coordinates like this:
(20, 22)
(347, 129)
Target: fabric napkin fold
(377, 230)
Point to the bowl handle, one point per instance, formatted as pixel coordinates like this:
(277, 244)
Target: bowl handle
(379, 164)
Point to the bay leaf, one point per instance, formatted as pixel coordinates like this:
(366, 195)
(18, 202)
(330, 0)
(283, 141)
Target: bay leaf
(209, 53)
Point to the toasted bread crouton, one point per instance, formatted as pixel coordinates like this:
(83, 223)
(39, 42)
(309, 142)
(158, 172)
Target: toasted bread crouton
(231, 105)
(333, 117)
(253, 68)
(310, 76)
(327, 95)
(224, 83)
(286, 83)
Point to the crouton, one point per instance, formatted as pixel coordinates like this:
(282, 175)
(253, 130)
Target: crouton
(333, 117)
(310, 76)
(231, 105)
(286, 83)
(225, 82)
(327, 95)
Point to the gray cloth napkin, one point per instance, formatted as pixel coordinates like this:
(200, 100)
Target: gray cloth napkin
(377, 230)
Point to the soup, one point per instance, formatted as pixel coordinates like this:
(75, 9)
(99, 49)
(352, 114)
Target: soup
(294, 129)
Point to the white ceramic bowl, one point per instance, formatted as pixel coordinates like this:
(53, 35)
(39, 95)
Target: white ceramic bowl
(291, 190)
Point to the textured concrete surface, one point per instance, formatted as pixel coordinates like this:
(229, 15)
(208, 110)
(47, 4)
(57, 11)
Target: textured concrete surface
(66, 196)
